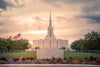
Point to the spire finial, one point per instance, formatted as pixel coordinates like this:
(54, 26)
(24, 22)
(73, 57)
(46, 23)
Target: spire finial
(50, 24)
(50, 13)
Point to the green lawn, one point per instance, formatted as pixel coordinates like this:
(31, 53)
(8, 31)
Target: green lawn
(17, 54)
(66, 54)
(80, 55)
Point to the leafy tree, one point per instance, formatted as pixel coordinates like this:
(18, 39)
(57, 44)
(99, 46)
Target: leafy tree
(36, 48)
(91, 41)
(8, 44)
(78, 44)
(3, 44)
(63, 48)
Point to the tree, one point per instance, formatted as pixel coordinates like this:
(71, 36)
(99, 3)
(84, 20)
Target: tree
(78, 44)
(36, 48)
(21, 44)
(3, 44)
(63, 48)
(8, 44)
(91, 41)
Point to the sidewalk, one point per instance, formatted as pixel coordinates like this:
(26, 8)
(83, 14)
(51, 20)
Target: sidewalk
(47, 65)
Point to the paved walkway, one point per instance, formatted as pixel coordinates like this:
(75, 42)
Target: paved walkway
(47, 65)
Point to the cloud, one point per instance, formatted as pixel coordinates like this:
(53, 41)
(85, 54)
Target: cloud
(92, 7)
(92, 18)
(38, 19)
(70, 1)
(90, 10)
(0, 23)
(21, 24)
(57, 3)
(4, 4)
(86, 10)
(0, 11)
(71, 18)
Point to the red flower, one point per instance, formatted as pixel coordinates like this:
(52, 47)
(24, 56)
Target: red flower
(31, 58)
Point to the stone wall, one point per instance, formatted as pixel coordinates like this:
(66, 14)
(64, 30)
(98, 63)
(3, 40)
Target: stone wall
(49, 53)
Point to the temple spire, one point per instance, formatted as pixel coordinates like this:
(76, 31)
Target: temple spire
(50, 34)
(50, 22)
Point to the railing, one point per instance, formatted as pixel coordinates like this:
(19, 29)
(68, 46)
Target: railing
(87, 51)
(80, 51)
(74, 54)
(10, 51)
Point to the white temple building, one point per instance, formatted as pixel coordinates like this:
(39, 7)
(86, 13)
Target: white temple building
(50, 40)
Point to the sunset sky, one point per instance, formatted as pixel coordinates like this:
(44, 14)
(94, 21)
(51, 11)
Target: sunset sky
(71, 19)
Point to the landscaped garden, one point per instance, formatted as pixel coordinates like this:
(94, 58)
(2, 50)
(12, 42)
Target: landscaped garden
(66, 54)
(30, 58)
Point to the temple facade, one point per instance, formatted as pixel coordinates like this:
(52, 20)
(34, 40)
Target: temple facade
(50, 40)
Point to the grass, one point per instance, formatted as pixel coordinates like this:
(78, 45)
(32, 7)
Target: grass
(80, 55)
(17, 54)
(66, 54)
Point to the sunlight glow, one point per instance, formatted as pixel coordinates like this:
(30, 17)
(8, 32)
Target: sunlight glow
(31, 42)
(37, 32)
(31, 20)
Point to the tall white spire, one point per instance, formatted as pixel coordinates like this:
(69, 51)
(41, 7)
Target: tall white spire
(50, 28)
(50, 34)
(50, 21)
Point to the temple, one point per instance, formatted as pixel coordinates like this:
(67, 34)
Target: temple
(50, 40)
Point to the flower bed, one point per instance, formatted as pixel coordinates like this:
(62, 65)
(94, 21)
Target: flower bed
(32, 60)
